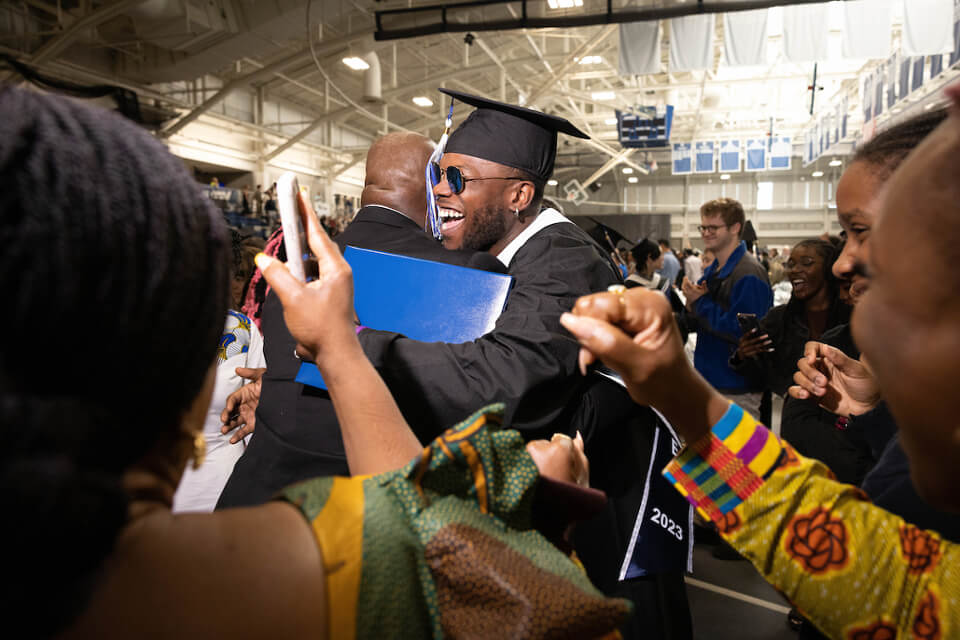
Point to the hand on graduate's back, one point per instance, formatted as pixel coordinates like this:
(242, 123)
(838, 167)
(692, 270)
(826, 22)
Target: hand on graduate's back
(318, 314)
(835, 381)
(635, 334)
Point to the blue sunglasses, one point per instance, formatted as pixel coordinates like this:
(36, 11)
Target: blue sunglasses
(455, 179)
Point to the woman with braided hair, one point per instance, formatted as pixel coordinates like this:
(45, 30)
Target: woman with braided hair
(107, 239)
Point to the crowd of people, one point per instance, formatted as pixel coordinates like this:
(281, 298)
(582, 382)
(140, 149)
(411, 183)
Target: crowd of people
(482, 489)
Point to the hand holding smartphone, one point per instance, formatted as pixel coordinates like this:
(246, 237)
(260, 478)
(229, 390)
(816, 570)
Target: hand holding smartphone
(748, 322)
(294, 235)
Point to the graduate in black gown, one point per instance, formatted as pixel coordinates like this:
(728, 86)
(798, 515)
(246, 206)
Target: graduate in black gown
(489, 186)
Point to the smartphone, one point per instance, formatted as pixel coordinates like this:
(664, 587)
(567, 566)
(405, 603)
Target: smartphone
(748, 322)
(294, 236)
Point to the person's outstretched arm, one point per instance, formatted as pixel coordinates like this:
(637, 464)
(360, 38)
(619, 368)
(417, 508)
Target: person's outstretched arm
(852, 568)
(320, 315)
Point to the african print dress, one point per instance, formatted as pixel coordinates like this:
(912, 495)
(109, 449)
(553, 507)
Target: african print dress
(856, 571)
(445, 547)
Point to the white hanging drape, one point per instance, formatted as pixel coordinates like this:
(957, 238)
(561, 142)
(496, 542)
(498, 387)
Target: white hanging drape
(691, 42)
(805, 30)
(867, 25)
(927, 27)
(745, 38)
(640, 48)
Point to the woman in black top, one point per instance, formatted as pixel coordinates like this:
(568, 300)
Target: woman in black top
(770, 356)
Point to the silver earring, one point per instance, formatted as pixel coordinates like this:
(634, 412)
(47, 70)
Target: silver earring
(516, 211)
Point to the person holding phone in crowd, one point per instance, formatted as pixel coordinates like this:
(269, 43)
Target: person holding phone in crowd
(734, 283)
(768, 354)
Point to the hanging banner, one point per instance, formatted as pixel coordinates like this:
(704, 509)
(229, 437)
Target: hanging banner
(905, 66)
(838, 117)
(866, 97)
(781, 148)
(682, 158)
(846, 117)
(809, 146)
(936, 65)
(916, 80)
(955, 54)
(892, 76)
(878, 87)
(825, 131)
(756, 155)
(705, 157)
(730, 156)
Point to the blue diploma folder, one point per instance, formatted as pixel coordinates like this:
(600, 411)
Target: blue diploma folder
(421, 299)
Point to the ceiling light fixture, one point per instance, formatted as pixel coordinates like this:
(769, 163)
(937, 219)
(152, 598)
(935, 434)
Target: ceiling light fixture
(603, 95)
(355, 63)
(836, 163)
(591, 60)
(627, 169)
(552, 182)
(564, 4)
(423, 101)
(610, 121)
(817, 174)
(633, 179)
(725, 176)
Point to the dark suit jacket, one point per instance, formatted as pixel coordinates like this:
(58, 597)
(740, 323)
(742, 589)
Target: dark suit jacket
(297, 434)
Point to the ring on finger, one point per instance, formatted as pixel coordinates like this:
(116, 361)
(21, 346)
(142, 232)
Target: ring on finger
(619, 289)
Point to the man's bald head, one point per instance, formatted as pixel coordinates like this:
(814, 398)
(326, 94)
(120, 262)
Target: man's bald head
(396, 165)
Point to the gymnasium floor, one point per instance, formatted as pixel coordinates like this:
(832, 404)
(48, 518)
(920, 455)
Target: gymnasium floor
(728, 598)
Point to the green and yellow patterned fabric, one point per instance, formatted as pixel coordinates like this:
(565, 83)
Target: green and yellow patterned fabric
(445, 547)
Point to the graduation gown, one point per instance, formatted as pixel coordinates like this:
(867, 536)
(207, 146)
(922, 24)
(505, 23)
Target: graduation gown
(528, 361)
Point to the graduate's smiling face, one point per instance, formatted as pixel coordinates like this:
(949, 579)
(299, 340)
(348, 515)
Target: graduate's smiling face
(479, 216)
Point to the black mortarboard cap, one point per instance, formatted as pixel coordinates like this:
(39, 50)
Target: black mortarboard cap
(606, 236)
(509, 135)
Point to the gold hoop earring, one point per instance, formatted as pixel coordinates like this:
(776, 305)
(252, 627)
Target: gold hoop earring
(199, 450)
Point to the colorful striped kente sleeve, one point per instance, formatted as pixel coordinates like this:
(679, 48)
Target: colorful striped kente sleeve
(726, 466)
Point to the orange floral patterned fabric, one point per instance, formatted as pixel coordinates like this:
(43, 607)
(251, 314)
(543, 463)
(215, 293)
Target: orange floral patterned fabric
(856, 571)
(926, 624)
(879, 630)
(818, 542)
(921, 549)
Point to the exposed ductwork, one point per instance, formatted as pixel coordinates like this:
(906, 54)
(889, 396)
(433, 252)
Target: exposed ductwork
(372, 79)
(189, 26)
(189, 38)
